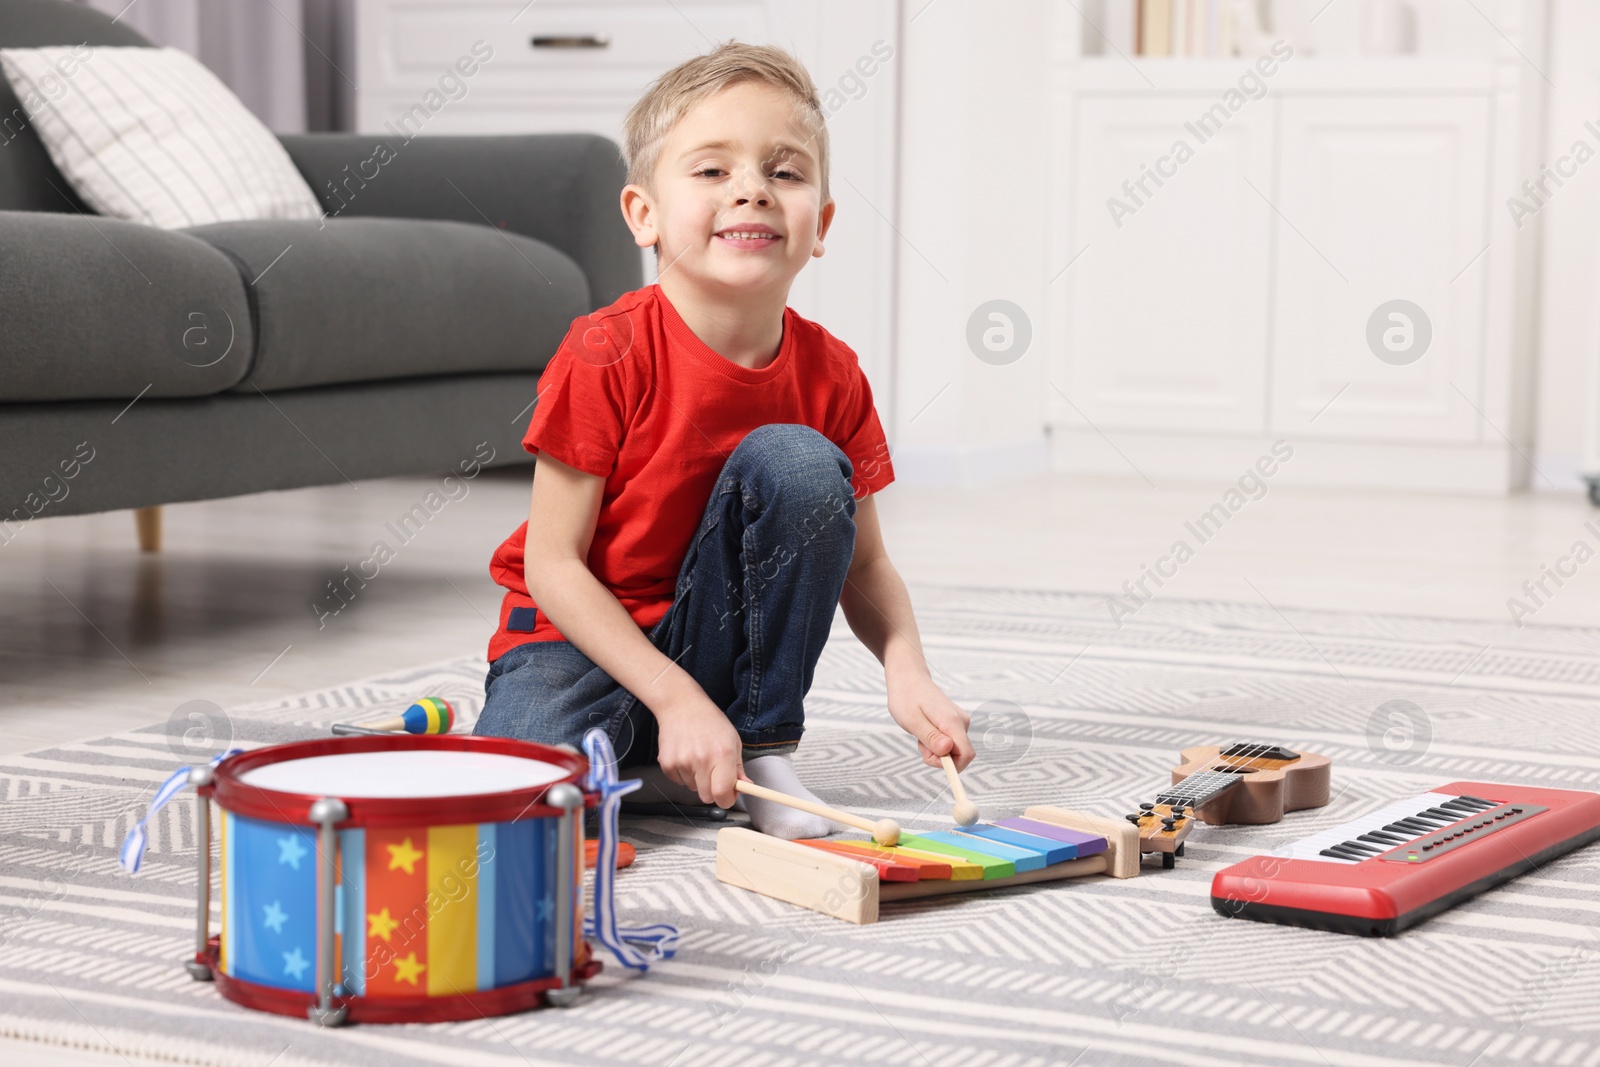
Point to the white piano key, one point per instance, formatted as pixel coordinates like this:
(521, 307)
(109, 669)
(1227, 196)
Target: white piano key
(1310, 848)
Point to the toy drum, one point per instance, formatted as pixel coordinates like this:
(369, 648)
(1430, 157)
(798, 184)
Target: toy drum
(397, 878)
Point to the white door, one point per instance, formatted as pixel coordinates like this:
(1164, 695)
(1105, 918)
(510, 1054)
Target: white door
(1167, 310)
(1378, 326)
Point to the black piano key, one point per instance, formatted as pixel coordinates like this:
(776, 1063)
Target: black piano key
(1482, 803)
(1344, 853)
(1361, 846)
(1440, 814)
(1379, 838)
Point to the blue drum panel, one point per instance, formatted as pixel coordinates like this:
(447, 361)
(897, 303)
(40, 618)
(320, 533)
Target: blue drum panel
(522, 868)
(272, 903)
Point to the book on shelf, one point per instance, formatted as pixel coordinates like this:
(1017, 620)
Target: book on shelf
(1181, 28)
(1155, 27)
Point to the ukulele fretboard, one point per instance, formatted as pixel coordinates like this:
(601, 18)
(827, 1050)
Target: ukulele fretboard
(1200, 787)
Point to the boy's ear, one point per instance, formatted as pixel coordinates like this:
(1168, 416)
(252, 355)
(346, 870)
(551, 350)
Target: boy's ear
(824, 221)
(639, 212)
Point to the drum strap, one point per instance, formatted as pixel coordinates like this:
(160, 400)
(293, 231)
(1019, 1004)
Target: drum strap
(133, 845)
(636, 947)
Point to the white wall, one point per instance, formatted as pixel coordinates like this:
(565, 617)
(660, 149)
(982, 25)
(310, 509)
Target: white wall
(1569, 313)
(974, 210)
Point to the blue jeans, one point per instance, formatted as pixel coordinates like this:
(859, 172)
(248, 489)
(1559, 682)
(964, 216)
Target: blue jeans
(754, 604)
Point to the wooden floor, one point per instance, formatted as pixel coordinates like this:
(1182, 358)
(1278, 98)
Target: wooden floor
(96, 637)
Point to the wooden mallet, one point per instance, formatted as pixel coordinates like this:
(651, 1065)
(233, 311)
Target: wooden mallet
(884, 831)
(965, 812)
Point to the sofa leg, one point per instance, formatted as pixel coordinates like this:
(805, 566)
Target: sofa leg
(148, 520)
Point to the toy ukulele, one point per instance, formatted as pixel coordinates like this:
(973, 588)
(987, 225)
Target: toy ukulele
(1244, 783)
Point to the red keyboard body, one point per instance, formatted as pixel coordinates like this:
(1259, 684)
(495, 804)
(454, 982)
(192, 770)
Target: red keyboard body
(1389, 870)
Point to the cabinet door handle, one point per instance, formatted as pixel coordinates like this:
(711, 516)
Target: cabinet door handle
(587, 40)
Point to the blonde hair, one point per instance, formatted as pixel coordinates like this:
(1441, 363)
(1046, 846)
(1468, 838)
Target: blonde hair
(671, 96)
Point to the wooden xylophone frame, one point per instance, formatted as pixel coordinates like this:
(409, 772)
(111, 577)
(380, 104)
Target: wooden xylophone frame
(836, 885)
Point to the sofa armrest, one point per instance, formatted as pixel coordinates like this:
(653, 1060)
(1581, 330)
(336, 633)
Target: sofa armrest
(95, 308)
(562, 189)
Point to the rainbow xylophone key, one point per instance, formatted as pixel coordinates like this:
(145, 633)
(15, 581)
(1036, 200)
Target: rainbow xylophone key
(982, 851)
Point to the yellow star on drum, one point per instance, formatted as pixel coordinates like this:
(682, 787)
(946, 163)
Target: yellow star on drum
(381, 925)
(404, 855)
(408, 969)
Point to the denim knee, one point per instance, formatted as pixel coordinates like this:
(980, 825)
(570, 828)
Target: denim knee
(548, 692)
(793, 466)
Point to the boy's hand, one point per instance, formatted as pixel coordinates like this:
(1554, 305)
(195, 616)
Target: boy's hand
(936, 721)
(700, 750)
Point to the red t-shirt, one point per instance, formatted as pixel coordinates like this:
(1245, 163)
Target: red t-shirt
(634, 397)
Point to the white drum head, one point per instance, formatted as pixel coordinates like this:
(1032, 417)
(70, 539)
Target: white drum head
(404, 774)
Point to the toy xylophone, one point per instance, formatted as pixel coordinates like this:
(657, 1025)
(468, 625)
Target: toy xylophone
(850, 879)
(1393, 868)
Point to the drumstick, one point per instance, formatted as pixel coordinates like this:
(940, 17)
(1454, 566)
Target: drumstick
(884, 831)
(965, 812)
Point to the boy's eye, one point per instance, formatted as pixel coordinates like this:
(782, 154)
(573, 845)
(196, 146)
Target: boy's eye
(782, 172)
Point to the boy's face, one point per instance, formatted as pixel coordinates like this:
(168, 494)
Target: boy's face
(737, 205)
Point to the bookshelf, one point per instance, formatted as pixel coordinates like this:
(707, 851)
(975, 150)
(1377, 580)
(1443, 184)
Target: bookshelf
(1406, 46)
(1395, 30)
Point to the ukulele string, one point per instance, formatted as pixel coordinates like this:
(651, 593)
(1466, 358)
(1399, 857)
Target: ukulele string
(1247, 754)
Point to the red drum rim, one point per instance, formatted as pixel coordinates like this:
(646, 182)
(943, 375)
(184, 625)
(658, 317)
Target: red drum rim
(274, 805)
(454, 1007)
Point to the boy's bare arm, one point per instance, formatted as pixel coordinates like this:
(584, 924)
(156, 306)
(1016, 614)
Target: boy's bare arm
(877, 606)
(699, 747)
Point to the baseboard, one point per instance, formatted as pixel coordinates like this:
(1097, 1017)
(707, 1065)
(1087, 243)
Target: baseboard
(1563, 472)
(1486, 469)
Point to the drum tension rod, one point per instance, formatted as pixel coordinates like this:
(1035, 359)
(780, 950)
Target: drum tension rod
(569, 842)
(199, 967)
(325, 812)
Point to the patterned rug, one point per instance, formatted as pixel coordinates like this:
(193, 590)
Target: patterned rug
(1071, 710)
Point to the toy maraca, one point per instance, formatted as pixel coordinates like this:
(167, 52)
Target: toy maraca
(430, 715)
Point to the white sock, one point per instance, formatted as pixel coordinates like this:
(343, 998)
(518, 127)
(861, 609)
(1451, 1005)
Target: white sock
(658, 788)
(777, 772)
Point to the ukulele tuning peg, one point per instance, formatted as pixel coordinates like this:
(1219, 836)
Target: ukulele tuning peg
(1134, 818)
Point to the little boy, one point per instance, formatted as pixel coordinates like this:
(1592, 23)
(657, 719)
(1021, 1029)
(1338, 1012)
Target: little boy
(702, 499)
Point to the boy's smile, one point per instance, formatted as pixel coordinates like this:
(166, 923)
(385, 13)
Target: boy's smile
(752, 235)
(736, 209)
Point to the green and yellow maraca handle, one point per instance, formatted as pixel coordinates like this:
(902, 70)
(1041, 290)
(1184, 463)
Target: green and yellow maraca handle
(430, 715)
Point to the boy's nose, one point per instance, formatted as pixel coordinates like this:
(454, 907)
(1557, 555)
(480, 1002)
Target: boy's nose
(751, 187)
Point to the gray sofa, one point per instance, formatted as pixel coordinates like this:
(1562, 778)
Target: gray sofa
(140, 366)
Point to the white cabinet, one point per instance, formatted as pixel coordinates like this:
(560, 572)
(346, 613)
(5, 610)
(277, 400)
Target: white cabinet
(1234, 295)
(554, 65)
(1168, 320)
(1255, 293)
(1381, 201)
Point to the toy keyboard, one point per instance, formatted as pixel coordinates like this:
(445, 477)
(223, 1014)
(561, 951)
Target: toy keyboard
(1384, 872)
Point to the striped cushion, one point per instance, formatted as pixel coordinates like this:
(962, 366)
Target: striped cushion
(150, 135)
